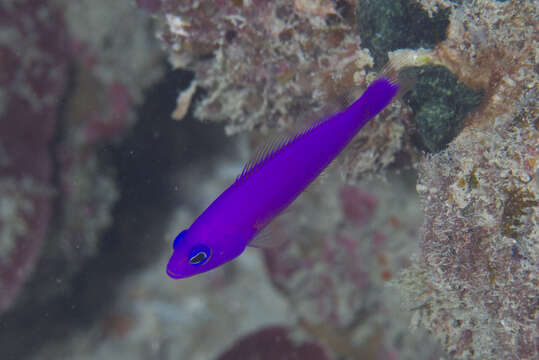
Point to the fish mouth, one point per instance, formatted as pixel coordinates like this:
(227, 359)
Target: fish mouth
(172, 274)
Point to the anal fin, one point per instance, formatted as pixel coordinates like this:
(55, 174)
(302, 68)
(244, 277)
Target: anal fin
(270, 236)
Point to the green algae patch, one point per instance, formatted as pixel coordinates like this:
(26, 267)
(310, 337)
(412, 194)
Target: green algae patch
(440, 104)
(387, 25)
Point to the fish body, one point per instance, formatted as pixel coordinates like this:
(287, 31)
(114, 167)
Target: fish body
(269, 184)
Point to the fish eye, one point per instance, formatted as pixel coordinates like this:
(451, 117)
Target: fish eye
(199, 255)
(178, 238)
(198, 258)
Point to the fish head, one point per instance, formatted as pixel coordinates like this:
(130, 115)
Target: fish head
(196, 251)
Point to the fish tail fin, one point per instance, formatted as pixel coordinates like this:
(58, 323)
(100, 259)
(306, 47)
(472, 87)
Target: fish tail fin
(393, 72)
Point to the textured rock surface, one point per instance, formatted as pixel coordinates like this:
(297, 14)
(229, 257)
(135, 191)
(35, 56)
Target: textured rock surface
(476, 285)
(475, 282)
(279, 65)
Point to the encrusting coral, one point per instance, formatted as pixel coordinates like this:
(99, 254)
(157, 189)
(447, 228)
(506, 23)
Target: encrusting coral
(475, 283)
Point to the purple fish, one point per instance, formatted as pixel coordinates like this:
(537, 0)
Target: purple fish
(269, 184)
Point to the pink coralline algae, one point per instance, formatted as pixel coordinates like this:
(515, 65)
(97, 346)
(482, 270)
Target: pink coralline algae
(34, 73)
(149, 5)
(99, 110)
(273, 343)
(357, 205)
(47, 154)
(342, 244)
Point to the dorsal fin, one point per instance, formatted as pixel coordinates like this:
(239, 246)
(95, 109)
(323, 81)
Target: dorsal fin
(272, 147)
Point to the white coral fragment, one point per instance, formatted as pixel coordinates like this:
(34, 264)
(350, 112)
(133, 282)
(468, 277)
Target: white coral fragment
(177, 25)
